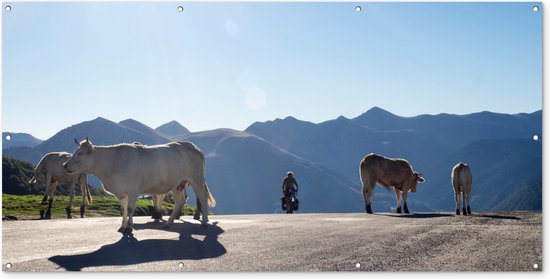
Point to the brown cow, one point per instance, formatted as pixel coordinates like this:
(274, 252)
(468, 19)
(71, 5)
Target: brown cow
(461, 177)
(388, 172)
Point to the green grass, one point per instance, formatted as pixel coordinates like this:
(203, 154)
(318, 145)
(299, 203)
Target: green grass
(28, 207)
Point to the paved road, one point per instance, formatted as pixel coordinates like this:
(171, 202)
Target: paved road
(489, 241)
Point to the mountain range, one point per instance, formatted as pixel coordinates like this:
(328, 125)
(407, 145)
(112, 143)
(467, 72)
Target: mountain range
(244, 169)
(19, 140)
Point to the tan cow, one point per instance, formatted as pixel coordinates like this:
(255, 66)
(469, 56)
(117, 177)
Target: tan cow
(388, 172)
(461, 177)
(50, 171)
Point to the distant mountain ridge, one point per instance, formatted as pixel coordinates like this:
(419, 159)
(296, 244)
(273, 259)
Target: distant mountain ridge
(19, 140)
(172, 128)
(102, 131)
(245, 168)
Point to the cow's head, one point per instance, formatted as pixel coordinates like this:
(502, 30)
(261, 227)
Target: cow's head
(82, 158)
(417, 179)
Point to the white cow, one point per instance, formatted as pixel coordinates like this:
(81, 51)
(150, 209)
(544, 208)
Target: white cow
(461, 177)
(128, 170)
(50, 171)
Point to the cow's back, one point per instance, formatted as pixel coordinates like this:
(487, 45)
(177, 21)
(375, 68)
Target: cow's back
(461, 177)
(162, 167)
(388, 171)
(53, 163)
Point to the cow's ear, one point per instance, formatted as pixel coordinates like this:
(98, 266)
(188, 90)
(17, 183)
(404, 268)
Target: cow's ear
(77, 143)
(89, 149)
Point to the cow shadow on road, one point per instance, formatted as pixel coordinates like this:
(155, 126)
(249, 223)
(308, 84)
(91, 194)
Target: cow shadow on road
(494, 216)
(419, 215)
(128, 250)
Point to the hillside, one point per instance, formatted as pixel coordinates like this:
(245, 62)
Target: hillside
(171, 129)
(507, 174)
(245, 168)
(340, 144)
(16, 175)
(100, 130)
(432, 144)
(145, 130)
(19, 140)
(457, 130)
(245, 174)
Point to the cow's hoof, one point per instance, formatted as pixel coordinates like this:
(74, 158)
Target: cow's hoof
(398, 210)
(128, 230)
(196, 217)
(469, 211)
(457, 212)
(166, 227)
(464, 212)
(121, 230)
(204, 226)
(368, 208)
(157, 216)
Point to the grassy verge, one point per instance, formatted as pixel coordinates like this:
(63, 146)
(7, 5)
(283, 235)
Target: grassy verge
(28, 207)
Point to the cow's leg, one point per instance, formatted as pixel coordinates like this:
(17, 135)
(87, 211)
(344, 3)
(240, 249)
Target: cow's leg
(157, 207)
(368, 189)
(83, 184)
(197, 215)
(48, 214)
(464, 203)
(48, 185)
(71, 198)
(154, 214)
(184, 196)
(45, 198)
(124, 207)
(200, 191)
(404, 196)
(398, 197)
(468, 200)
(457, 202)
(179, 201)
(132, 199)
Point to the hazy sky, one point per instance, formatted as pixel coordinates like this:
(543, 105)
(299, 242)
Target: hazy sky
(227, 65)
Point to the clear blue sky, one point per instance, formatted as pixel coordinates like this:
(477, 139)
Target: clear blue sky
(227, 65)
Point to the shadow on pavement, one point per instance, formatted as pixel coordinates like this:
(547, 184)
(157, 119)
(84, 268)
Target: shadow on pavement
(419, 215)
(128, 250)
(497, 216)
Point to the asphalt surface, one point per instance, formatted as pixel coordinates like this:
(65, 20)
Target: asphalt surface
(487, 241)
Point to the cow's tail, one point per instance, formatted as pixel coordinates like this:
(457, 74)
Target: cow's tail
(363, 172)
(211, 200)
(88, 194)
(456, 178)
